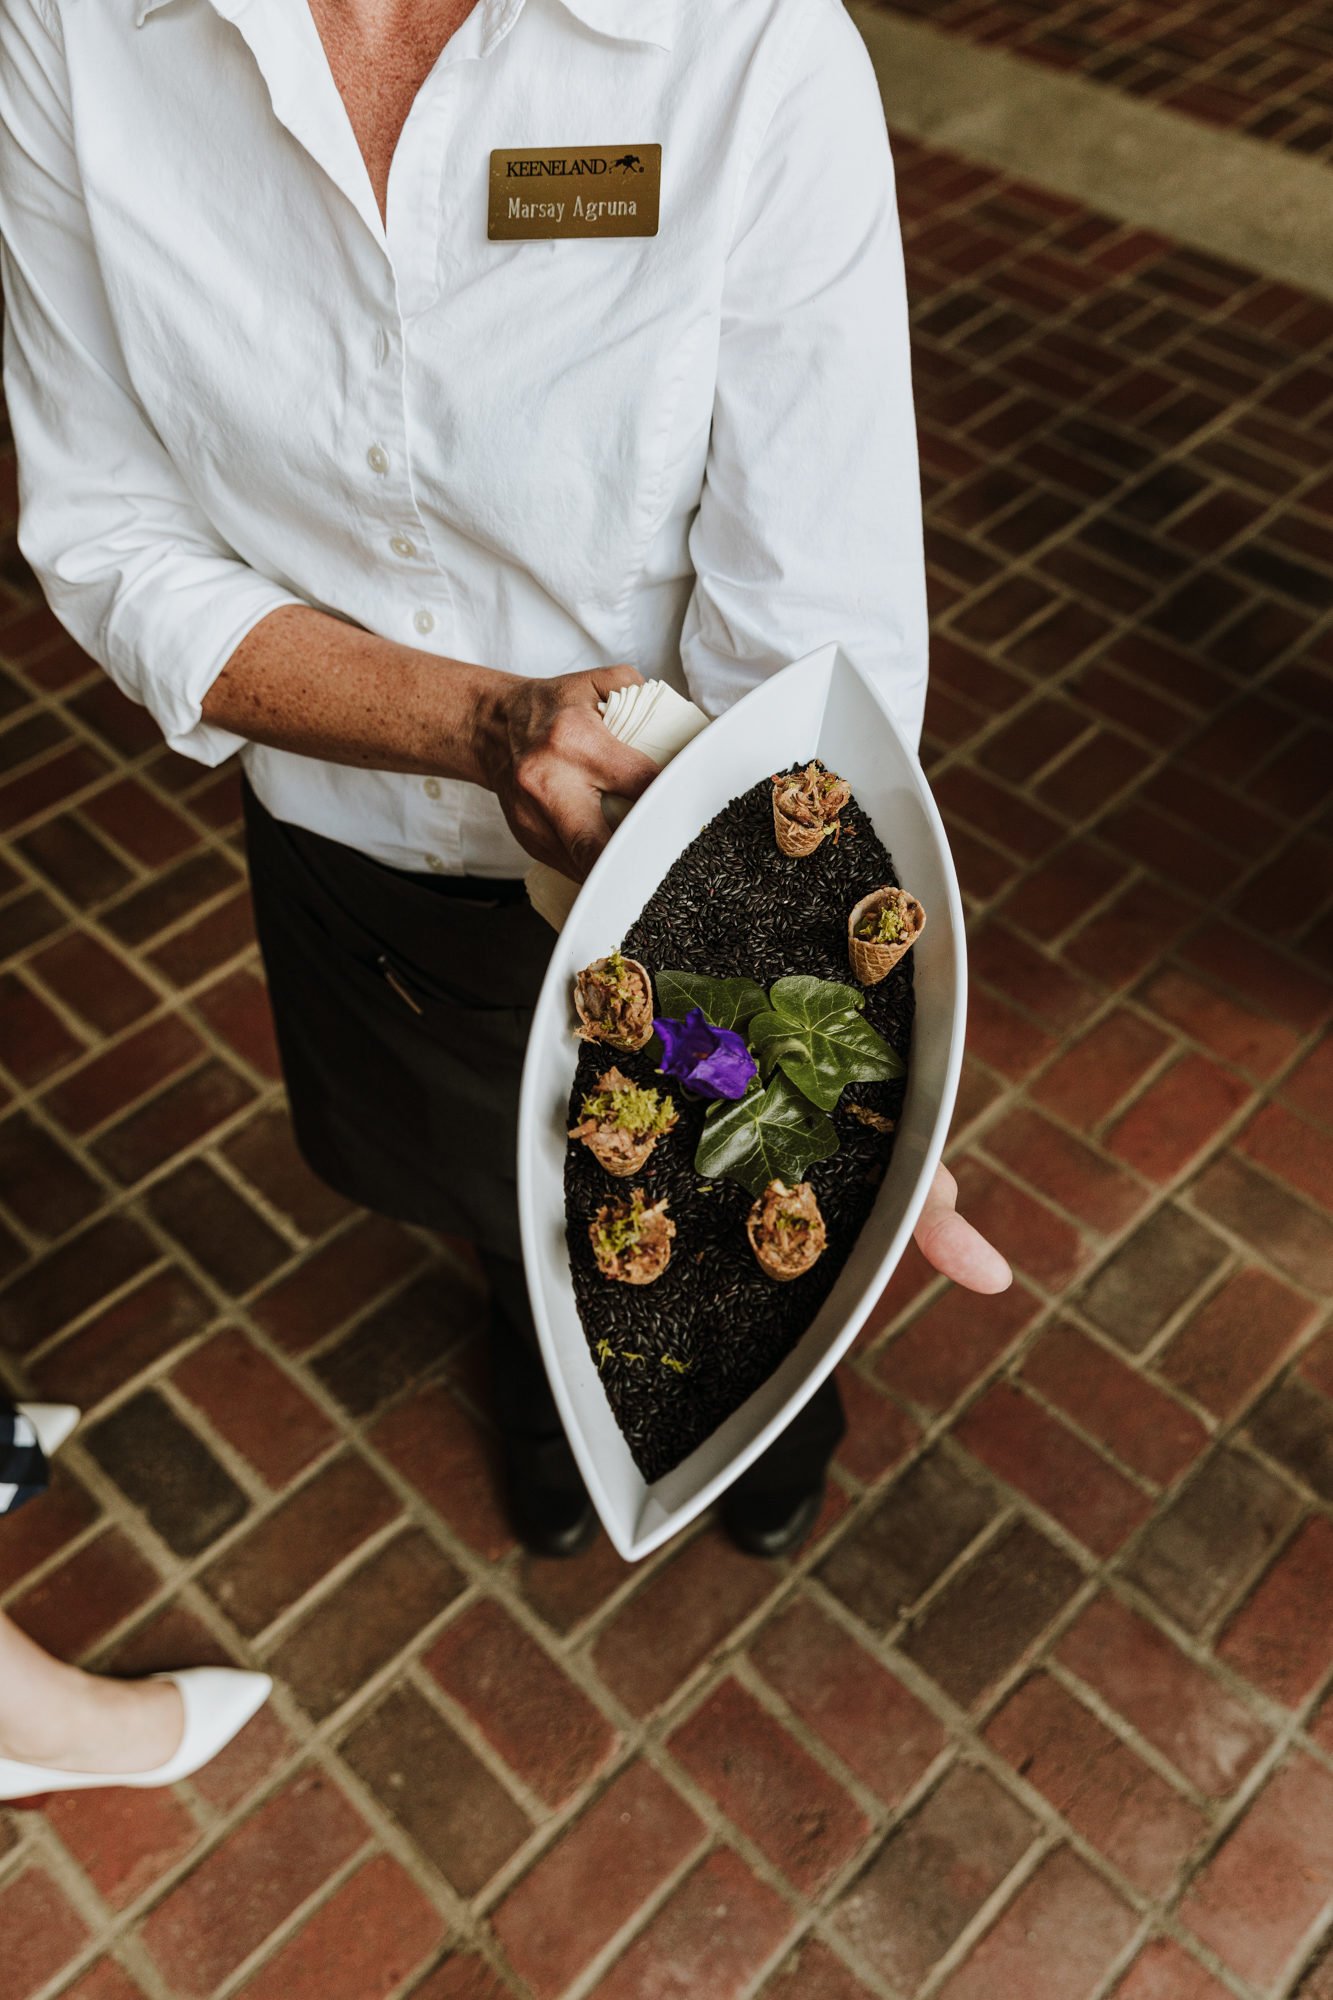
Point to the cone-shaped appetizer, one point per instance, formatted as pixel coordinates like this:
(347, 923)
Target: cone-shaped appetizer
(806, 805)
(882, 928)
(621, 1122)
(614, 999)
(786, 1230)
(631, 1241)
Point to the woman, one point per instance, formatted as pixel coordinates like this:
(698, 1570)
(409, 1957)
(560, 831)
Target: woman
(411, 335)
(62, 1730)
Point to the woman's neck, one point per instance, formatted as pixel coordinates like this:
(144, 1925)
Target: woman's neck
(380, 53)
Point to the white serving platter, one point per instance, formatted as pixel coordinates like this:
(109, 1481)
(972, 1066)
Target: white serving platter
(822, 706)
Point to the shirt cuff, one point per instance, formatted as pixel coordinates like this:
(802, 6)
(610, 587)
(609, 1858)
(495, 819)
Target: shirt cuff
(176, 702)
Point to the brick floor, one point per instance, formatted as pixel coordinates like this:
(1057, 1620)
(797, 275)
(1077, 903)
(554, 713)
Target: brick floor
(1264, 70)
(1046, 1707)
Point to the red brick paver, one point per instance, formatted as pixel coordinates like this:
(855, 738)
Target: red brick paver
(544, 1728)
(41, 1930)
(1164, 1972)
(1104, 1791)
(1056, 1940)
(359, 1946)
(713, 1936)
(1189, 1716)
(1259, 1900)
(905, 1911)
(246, 1887)
(774, 1790)
(595, 1879)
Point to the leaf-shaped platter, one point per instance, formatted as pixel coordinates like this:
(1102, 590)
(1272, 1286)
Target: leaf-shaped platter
(825, 707)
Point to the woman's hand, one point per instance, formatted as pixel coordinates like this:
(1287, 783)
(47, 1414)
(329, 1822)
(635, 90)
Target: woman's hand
(545, 752)
(953, 1246)
(306, 681)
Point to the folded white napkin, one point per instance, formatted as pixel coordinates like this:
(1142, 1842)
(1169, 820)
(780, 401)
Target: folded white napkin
(652, 718)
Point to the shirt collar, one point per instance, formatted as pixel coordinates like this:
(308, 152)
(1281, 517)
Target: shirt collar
(629, 20)
(652, 21)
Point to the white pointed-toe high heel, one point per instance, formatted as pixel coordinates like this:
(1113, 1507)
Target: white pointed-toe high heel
(218, 1702)
(51, 1423)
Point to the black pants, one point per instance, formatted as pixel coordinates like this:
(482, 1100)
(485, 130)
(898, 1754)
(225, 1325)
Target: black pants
(403, 1005)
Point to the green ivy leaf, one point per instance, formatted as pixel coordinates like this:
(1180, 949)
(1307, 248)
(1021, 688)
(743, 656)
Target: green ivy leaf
(769, 1134)
(812, 1030)
(725, 1003)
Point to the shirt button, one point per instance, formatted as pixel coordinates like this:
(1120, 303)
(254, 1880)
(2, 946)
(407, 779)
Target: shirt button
(377, 458)
(434, 861)
(401, 546)
(381, 347)
(432, 788)
(424, 622)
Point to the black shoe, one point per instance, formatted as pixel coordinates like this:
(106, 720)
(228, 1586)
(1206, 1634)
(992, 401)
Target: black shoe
(548, 1520)
(771, 1524)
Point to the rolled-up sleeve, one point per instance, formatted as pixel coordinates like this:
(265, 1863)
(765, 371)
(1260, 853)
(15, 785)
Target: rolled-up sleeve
(128, 563)
(809, 526)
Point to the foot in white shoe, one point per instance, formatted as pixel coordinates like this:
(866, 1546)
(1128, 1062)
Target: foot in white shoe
(51, 1423)
(102, 1726)
(195, 1714)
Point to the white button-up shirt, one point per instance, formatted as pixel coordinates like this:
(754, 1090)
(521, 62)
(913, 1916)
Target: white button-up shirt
(233, 387)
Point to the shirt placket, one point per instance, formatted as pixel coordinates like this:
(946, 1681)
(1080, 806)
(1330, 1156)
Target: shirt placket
(412, 246)
(284, 42)
(419, 583)
(419, 172)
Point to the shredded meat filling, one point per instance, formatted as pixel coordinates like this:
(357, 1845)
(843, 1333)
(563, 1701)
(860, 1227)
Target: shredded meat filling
(814, 797)
(630, 1241)
(874, 1119)
(615, 1002)
(787, 1229)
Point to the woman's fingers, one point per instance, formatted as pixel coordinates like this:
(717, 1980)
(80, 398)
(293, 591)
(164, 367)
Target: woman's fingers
(949, 1242)
(627, 773)
(605, 680)
(559, 759)
(611, 764)
(573, 808)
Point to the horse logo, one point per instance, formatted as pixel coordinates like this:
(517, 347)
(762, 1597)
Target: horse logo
(630, 164)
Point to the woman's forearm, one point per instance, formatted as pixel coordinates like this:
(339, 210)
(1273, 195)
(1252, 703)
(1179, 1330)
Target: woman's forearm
(305, 681)
(302, 680)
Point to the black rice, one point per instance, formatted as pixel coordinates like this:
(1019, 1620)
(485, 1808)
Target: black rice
(678, 1356)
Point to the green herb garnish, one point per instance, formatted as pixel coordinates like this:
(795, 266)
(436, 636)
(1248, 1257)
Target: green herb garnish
(605, 1352)
(882, 926)
(612, 1239)
(637, 1108)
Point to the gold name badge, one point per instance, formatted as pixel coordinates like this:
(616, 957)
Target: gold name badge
(577, 191)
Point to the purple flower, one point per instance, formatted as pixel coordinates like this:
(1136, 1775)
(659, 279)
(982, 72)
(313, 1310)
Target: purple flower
(710, 1062)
